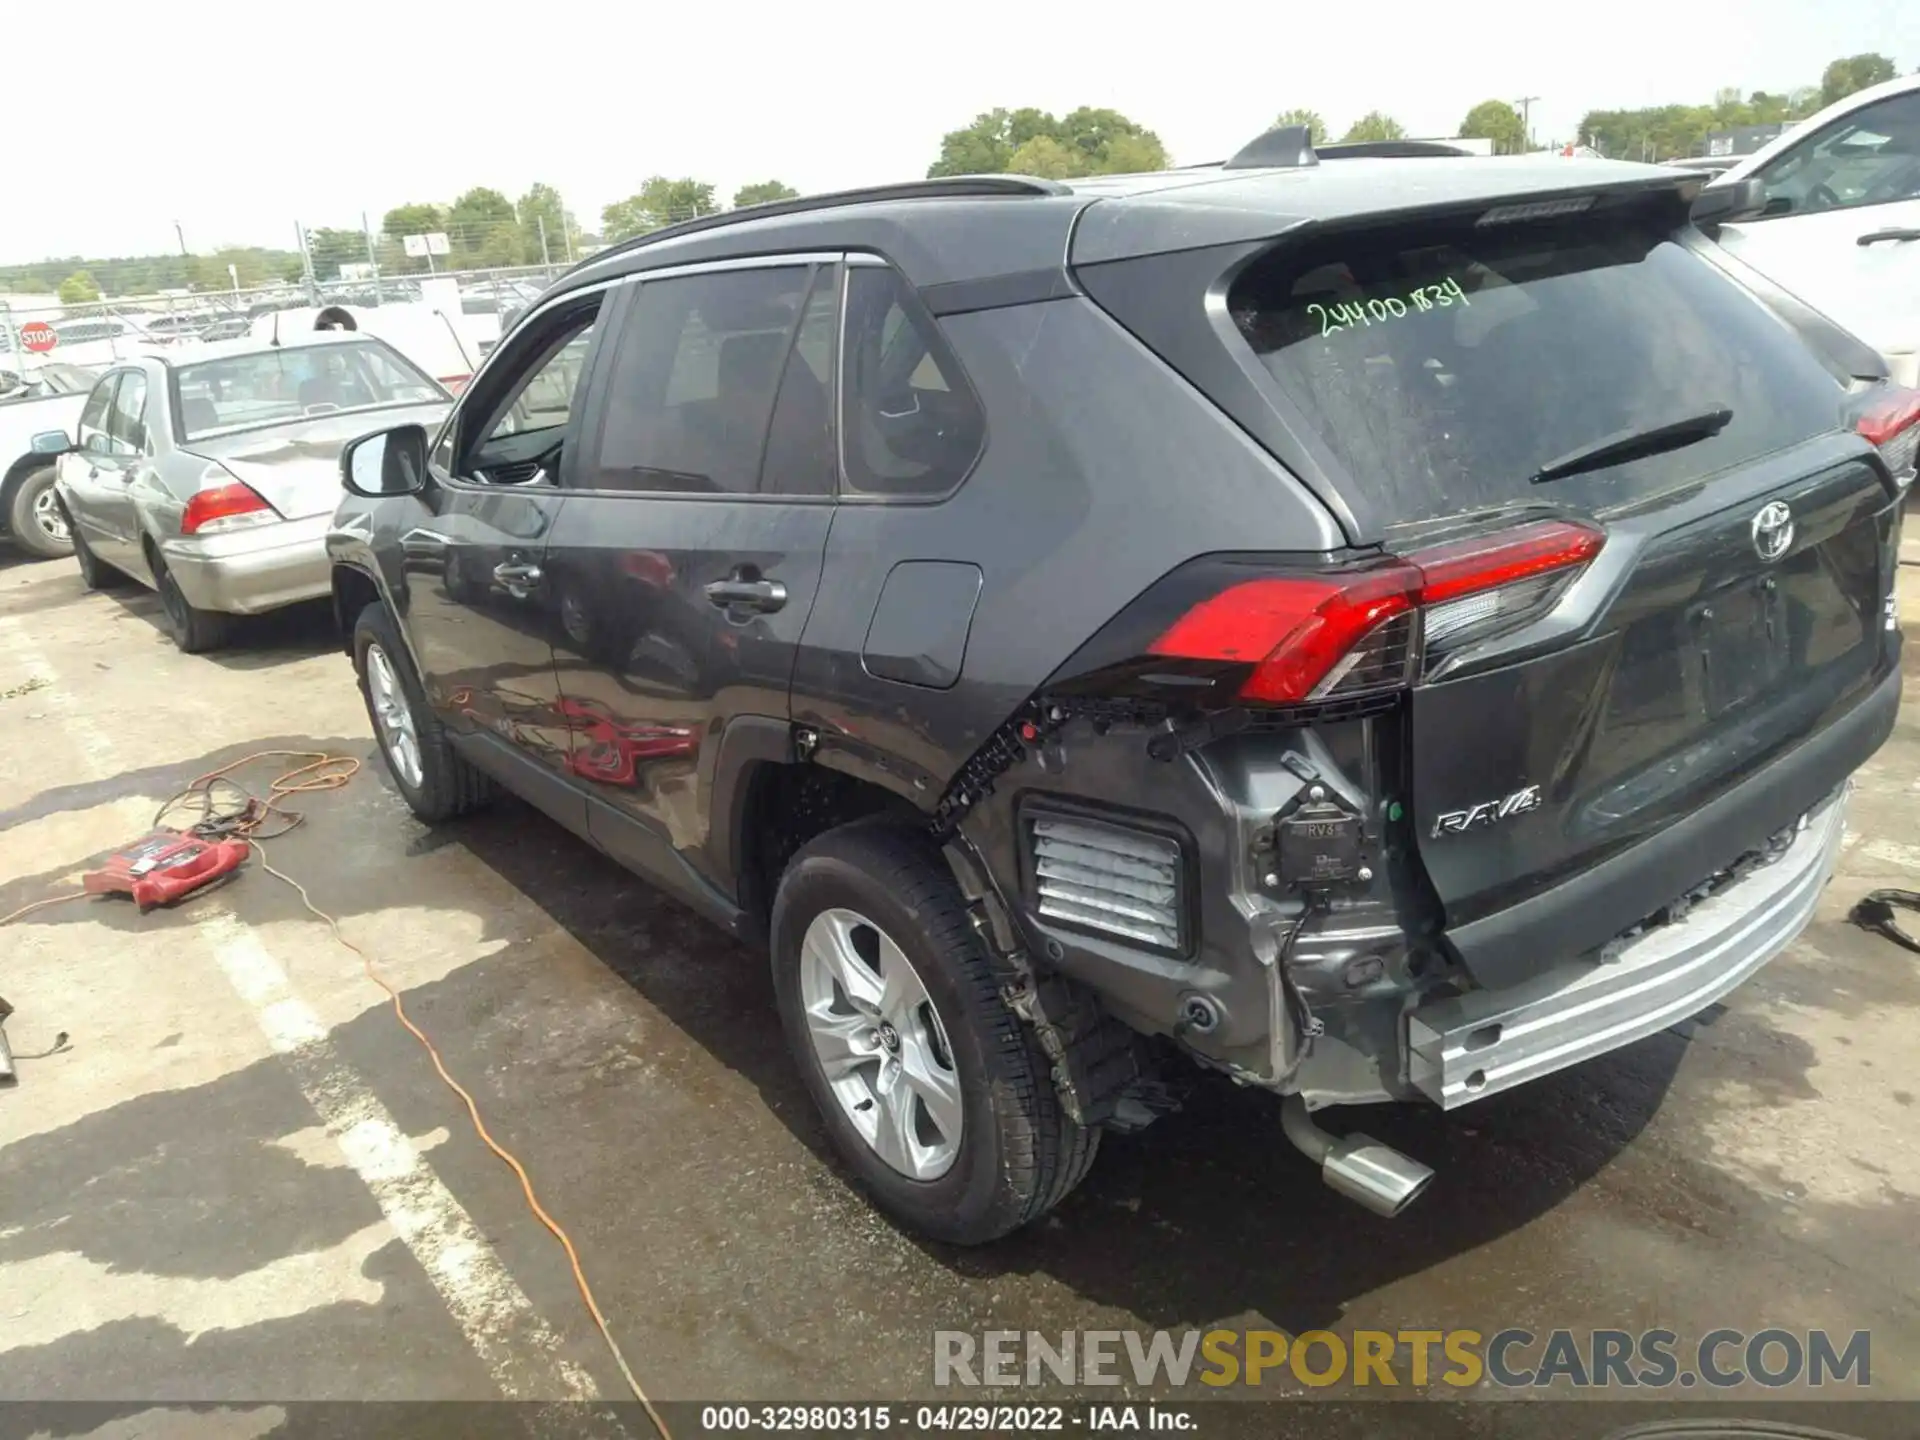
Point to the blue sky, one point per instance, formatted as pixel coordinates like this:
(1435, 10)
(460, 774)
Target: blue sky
(239, 119)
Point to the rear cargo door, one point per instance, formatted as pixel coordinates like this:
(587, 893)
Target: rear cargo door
(1477, 371)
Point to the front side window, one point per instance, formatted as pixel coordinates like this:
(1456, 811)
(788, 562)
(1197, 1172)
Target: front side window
(545, 399)
(126, 425)
(92, 429)
(289, 383)
(910, 423)
(1871, 157)
(691, 387)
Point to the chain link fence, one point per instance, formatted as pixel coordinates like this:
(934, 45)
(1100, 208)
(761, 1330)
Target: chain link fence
(360, 267)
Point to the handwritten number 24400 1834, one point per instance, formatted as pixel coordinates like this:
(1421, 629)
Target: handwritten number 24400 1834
(1349, 313)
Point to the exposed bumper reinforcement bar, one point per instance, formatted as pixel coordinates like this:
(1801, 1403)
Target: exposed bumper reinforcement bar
(1477, 1044)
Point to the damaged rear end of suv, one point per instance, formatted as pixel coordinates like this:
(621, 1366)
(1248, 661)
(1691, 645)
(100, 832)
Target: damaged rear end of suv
(1381, 625)
(1551, 748)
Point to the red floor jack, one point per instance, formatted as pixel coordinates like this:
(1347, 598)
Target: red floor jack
(165, 867)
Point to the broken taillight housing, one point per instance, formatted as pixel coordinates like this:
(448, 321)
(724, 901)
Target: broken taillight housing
(1892, 425)
(1295, 638)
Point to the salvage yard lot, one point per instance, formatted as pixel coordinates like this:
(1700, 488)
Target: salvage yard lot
(243, 1180)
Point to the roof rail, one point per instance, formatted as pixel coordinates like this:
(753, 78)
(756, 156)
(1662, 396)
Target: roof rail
(1289, 147)
(952, 187)
(1390, 150)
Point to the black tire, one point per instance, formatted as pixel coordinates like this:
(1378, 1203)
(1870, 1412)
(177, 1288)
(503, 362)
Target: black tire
(1019, 1154)
(95, 573)
(448, 786)
(194, 630)
(24, 519)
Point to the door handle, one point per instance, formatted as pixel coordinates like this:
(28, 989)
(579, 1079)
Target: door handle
(762, 595)
(517, 576)
(1874, 237)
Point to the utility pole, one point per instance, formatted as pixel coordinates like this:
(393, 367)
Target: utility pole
(545, 259)
(372, 259)
(1525, 106)
(306, 263)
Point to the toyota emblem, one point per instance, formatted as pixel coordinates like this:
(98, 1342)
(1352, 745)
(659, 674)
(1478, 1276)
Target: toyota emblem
(1772, 530)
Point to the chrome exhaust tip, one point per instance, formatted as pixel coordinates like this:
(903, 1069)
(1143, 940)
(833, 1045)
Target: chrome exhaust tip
(1356, 1166)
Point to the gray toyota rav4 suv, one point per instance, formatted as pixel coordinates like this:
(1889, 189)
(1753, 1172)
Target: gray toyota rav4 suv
(1380, 624)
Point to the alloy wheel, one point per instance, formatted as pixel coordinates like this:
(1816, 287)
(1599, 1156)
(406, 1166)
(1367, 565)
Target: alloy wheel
(881, 1044)
(46, 514)
(394, 716)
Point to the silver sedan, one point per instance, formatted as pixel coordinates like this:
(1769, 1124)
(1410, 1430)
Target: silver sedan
(211, 473)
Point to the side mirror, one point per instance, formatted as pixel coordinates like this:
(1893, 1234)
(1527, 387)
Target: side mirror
(387, 462)
(1740, 200)
(51, 442)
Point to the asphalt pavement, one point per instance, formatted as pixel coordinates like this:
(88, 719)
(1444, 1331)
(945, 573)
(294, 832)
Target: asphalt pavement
(242, 1181)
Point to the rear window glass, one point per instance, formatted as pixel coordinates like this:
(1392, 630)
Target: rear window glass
(1444, 367)
(267, 387)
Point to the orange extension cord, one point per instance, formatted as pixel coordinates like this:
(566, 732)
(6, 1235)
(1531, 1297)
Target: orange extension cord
(323, 772)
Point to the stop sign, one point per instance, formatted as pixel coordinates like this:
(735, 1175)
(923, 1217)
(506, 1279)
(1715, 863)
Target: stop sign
(38, 336)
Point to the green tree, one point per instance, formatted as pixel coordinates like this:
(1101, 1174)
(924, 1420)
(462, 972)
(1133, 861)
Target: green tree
(1047, 158)
(763, 192)
(78, 289)
(416, 219)
(1092, 140)
(1111, 143)
(1375, 126)
(1659, 132)
(661, 201)
(985, 146)
(482, 229)
(1316, 127)
(542, 207)
(1499, 122)
(1853, 73)
(330, 249)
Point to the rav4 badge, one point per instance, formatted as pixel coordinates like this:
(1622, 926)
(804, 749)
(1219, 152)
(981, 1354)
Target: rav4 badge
(1487, 812)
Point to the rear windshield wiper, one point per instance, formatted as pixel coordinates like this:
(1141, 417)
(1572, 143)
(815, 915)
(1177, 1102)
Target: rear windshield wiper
(1624, 445)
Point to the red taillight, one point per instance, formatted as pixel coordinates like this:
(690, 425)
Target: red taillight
(1294, 630)
(1309, 636)
(1893, 426)
(225, 507)
(1468, 567)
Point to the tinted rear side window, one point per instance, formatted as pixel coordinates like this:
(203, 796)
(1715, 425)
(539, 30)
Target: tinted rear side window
(1444, 366)
(911, 424)
(689, 398)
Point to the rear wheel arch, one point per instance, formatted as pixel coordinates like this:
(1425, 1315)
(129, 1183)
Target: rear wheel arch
(768, 805)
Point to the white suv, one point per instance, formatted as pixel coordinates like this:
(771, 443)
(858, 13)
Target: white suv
(1841, 227)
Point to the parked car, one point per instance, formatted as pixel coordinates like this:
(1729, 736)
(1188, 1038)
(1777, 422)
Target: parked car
(226, 327)
(1840, 226)
(45, 405)
(177, 324)
(448, 347)
(1382, 628)
(210, 473)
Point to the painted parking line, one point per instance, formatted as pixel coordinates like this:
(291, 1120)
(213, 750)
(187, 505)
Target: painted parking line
(499, 1322)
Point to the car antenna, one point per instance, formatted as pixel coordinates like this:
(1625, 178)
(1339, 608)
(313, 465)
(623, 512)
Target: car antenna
(276, 329)
(458, 343)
